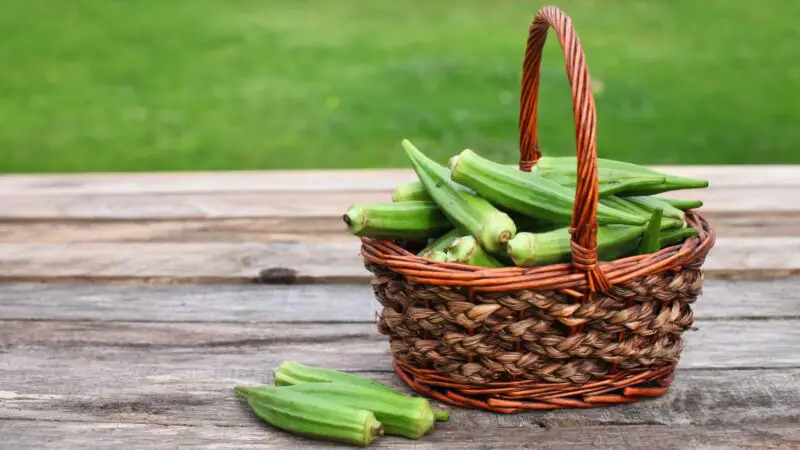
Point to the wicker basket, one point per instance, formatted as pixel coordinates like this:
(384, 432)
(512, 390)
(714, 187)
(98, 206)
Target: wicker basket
(511, 339)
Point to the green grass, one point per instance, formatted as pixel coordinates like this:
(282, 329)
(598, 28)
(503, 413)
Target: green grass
(112, 85)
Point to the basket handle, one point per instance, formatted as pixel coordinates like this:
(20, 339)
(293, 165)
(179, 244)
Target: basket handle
(583, 227)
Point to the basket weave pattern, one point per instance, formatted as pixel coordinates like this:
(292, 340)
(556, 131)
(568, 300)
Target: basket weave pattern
(584, 334)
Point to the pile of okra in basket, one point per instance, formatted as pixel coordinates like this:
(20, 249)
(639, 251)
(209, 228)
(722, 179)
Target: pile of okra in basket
(482, 213)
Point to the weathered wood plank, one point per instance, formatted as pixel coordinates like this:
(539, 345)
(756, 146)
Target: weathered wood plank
(310, 303)
(697, 398)
(74, 435)
(287, 229)
(181, 206)
(728, 176)
(198, 262)
(172, 396)
(337, 261)
(176, 231)
(718, 203)
(206, 182)
(719, 343)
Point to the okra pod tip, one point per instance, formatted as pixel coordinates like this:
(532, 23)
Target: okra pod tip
(497, 228)
(355, 219)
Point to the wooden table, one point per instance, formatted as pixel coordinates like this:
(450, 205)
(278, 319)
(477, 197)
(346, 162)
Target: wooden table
(131, 304)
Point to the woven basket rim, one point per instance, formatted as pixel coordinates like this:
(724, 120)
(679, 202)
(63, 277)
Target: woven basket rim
(563, 276)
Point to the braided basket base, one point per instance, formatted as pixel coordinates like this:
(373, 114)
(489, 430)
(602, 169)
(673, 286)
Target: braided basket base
(517, 396)
(538, 349)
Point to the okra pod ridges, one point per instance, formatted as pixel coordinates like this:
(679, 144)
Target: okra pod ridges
(401, 415)
(537, 249)
(301, 373)
(671, 182)
(413, 191)
(526, 193)
(465, 209)
(293, 372)
(404, 220)
(310, 416)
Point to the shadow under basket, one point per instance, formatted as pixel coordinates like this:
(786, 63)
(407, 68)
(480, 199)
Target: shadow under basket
(575, 335)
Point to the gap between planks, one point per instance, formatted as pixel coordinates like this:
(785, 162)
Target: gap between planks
(299, 262)
(730, 300)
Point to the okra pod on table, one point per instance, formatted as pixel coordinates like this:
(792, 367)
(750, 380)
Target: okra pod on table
(311, 416)
(399, 414)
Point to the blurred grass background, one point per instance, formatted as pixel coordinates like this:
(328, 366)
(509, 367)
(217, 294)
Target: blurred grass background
(115, 85)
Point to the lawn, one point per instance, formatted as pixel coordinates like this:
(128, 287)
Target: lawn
(105, 85)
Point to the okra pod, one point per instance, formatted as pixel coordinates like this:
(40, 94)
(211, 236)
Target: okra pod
(466, 250)
(610, 181)
(538, 249)
(682, 203)
(675, 236)
(526, 193)
(406, 220)
(413, 191)
(671, 182)
(467, 210)
(652, 233)
(311, 416)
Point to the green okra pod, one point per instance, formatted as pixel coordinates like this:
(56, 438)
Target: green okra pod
(311, 416)
(406, 220)
(650, 242)
(526, 193)
(466, 210)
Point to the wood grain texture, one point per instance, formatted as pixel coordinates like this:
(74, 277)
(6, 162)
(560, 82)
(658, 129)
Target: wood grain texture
(86, 374)
(177, 231)
(311, 303)
(290, 262)
(183, 206)
(720, 343)
(298, 262)
(177, 395)
(719, 202)
(206, 182)
(728, 176)
(287, 229)
(25, 435)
